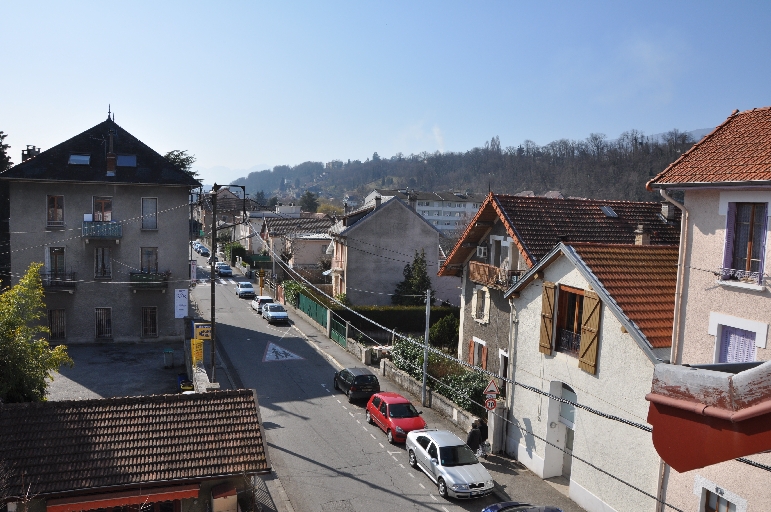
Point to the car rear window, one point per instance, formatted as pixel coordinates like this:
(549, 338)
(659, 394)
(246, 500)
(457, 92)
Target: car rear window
(366, 379)
(402, 411)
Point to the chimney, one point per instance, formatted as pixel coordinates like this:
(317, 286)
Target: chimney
(111, 158)
(30, 152)
(345, 208)
(377, 201)
(668, 211)
(412, 197)
(640, 236)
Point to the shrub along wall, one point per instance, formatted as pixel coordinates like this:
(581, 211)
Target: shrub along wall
(399, 318)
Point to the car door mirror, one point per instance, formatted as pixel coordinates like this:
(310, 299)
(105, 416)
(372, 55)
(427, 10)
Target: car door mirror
(434, 461)
(420, 412)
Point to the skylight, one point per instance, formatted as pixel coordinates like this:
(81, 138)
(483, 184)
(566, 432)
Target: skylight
(127, 160)
(80, 160)
(608, 211)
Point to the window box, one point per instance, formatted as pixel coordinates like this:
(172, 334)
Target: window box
(149, 280)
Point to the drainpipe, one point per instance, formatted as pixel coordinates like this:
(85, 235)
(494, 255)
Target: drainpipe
(676, 356)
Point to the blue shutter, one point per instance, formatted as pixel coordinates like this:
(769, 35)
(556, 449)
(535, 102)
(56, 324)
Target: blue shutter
(728, 250)
(764, 231)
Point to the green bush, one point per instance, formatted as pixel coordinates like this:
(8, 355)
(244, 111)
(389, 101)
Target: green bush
(444, 333)
(400, 318)
(292, 290)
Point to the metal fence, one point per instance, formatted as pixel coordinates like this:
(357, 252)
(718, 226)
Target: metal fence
(337, 333)
(313, 309)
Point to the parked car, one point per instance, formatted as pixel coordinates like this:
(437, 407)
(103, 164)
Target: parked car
(449, 462)
(275, 313)
(516, 506)
(356, 383)
(216, 265)
(203, 251)
(395, 415)
(244, 289)
(225, 270)
(259, 301)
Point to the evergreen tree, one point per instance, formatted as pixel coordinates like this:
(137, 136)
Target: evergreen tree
(5, 158)
(412, 291)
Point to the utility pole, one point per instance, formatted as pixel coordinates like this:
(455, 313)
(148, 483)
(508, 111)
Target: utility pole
(212, 277)
(424, 397)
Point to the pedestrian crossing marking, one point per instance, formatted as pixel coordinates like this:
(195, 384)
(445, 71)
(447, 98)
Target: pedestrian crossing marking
(274, 352)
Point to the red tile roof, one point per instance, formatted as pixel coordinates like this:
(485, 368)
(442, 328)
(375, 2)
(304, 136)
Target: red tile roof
(739, 150)
(537, 224)
(72, 445)
(641, 279)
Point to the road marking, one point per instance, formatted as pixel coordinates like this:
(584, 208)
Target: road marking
(445, 510)
(350, 414)
(381, 444)
(413, 476)
(397, 460)
(357, 421)
(373, 437)
(339, 402)
(402, 466)
(433, 497)
(365, 428)
(344, 407)
(392, 453)
(423, 486)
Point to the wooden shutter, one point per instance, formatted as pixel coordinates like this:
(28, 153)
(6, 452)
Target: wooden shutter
(547, 319)
(471, 352)
(590, 333)
(730, 228)
(764, 234)
(484, 357)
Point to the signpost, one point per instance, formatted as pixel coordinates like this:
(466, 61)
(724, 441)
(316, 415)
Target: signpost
(202, 331)
(491, 392)
(180, 303)
(196, 351)
(490, 404)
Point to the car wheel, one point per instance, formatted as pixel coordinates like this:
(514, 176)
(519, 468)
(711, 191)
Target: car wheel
(390, 436)
(413, 460)
(334, 383)
(442, 488)
(369, 418)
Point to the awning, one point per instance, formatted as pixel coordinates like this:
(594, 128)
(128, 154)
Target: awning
(117, 499)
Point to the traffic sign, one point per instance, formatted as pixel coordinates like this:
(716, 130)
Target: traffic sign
(202, 331)
(490, 404)
(491, 389)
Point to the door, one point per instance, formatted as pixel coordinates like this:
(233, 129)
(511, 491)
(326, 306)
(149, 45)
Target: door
(57, 262)
(567, 458)
(382, 415)
(433, 453)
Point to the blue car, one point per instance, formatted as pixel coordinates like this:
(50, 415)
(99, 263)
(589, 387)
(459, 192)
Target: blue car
(516, 506)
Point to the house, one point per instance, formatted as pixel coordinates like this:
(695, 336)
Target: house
(446, 211)
(509, 234)
(371, 247)
(298, 241)
(721, 315)
(167, 453)
(589, 323)
(231, 209)
(108, 218)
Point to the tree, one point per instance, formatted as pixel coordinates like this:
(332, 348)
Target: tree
(329, 208)
(182, 161)
(272, 202)
(5, 159)
(26, 360)
(259, 197)
(444, 333)
(412, 291)
(309, 202)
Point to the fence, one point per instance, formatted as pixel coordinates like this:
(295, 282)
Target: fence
(337, 332)
(313, 309)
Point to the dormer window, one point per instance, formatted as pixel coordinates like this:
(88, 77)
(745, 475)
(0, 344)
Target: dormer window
(79, 160)
(127, 161)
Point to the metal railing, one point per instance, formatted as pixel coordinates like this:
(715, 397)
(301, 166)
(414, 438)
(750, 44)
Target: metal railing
(105, 230)
(313, 309)
(58, 279)
(492, 276)
(568, 342)
(149, 280)
(745, 276)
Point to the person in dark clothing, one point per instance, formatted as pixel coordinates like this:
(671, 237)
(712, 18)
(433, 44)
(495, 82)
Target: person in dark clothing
(483, 437)
(474, 438)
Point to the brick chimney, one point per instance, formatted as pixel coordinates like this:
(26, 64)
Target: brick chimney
(641, 237)
(111, 158)
(668, 210)
(378, 199)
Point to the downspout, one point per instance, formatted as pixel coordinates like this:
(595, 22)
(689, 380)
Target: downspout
(676, 356)
(513, 334)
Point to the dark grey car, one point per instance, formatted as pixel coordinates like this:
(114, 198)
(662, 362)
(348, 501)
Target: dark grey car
(356, 383)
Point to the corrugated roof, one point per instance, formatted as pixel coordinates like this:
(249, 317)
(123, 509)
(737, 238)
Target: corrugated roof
(53, 164)
(281, 226)
(739, 150)
(90, 444)
(641, 279)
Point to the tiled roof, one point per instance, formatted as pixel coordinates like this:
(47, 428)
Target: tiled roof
(284, 226)
(641, 279)
(537, 224)
(53, 164)
(739, 150)
(71, 445)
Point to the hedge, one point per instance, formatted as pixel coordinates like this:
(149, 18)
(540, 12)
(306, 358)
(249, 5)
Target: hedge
(399, 318)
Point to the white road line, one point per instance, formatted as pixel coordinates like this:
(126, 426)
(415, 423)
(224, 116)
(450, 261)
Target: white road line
(357, 421)
(423, 486)
(433, 497)
(381, 444)
(445, 510)
(339, 402)
(350, 414)
(392, 453)
(397, 460)
(365, 428)
(323, 385)
(373, 437)
(344, 407)
(401, 465)
(413, 476)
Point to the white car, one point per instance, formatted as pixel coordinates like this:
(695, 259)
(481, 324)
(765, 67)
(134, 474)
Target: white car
(244, 289)
(275, 313)
(449, 462)
(260, 301)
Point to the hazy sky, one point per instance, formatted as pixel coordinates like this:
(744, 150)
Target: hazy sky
(245, 84)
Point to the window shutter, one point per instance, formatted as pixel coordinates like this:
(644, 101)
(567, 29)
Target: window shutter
(47, 259)
(728, 250)
(764, 232)
(484, 357)
(547, 318)
(471, 352)
(590, 333)
(149, 213)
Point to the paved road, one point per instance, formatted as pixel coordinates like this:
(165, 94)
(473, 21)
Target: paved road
(323, 451)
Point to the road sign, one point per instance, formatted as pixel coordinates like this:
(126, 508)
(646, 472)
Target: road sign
(196, 351)
(490, 404)
(492, 388)
(202, 331)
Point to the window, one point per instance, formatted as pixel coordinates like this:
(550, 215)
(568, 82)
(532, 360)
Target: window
(568, 411)
(716, 503)
(432, 452)
(149, 261)
(127, 161)
(79, 159)
(56, 324)
(745, 242)
(477, 353)
(480, 304)
(102, 209)
(569, 316)
(149, 322)
(55, 263)
(149, 213)
(103, 322)
(736, 345)
(55, 211)
(102, 263)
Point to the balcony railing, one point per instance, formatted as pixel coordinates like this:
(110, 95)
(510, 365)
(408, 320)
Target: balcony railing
(568, 342)
(149, 280)
(744, 276)
(58, 279)
(489, 275)
(102, 230)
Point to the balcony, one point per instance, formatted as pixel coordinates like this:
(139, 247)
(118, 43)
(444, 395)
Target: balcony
(149, 280)
(102, 230)
(741, 276)
(568, 342)
(58, 280)
(491, 276)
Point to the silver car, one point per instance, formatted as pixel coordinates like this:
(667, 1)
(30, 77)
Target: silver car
(449, 462)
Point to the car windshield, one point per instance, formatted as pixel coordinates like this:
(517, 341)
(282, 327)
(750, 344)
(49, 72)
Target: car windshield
(366, 379)
(278, 308)
(246, 285)
(402, 411)
(224, 267)
(457, 456)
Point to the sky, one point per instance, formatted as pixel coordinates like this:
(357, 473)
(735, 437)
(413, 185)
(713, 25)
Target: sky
(245, 86)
